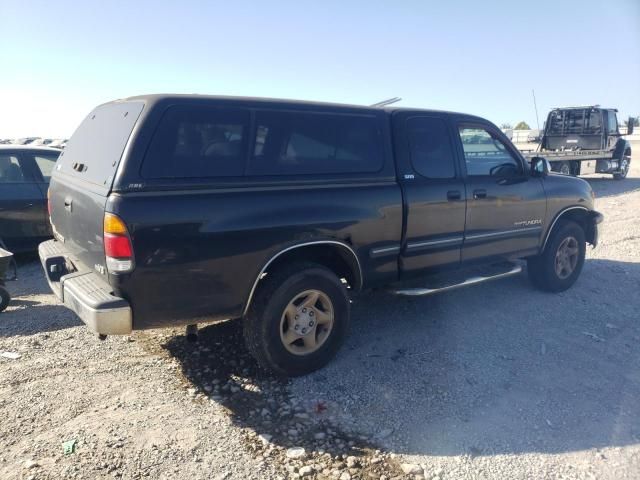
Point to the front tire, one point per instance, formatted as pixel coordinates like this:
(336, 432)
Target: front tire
(625, 163)
(558, 267)
(297, 320)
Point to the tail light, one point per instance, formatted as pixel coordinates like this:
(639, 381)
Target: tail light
(117, 245)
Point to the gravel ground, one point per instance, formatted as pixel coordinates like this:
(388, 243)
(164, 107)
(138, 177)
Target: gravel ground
(492, 382)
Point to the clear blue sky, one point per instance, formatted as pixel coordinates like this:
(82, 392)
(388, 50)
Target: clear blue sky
(60, 59)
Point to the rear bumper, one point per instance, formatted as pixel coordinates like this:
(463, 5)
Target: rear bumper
(84, 292)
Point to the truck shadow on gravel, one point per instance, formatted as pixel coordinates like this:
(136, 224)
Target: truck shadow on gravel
(606, 186)
(219, 368)
(499, 368)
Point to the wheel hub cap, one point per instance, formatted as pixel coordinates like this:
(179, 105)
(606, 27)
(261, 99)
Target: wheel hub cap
(306, 322)
(566, 257)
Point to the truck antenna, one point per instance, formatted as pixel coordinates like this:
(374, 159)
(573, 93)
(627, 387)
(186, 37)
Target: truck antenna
(533, 92)
(386, 102)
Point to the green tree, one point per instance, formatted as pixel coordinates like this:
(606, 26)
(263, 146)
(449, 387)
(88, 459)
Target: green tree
(522, 126)
(506, 126)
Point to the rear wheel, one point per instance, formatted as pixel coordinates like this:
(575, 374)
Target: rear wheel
(564, 168)
(297, 320)
(5, 298)
(558, 267)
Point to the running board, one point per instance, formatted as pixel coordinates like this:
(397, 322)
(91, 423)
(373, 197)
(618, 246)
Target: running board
(413, 292)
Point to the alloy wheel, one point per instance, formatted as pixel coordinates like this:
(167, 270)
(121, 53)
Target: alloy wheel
(306, 322)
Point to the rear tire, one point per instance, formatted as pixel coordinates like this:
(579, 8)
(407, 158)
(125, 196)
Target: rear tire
(5, 298)
(298, 319)
(559, 266)
(564, 168)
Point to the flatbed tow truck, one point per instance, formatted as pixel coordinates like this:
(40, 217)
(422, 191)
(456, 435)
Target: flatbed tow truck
(583, 140)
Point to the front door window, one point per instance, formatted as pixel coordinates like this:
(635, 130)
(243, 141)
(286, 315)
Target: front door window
(486, 155)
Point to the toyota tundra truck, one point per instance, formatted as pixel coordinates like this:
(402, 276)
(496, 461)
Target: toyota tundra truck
(177, 210)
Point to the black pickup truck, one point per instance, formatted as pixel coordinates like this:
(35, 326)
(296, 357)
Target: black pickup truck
(176, 210)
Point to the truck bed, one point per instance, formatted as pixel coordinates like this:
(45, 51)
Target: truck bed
(569, 155)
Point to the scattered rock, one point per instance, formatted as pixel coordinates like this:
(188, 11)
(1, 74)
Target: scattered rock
(31, 464)
(345, 476)
(306, 470)
(352, 462)
(411, 469)
(10, 355)
(296, 452)
(320, 436)
(593, 336)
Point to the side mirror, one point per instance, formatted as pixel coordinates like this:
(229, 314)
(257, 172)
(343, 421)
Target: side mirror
(540, 167)
(630, 125)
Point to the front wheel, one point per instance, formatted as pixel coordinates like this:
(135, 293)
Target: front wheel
(297, 320)
(625, 163)
(558, 267)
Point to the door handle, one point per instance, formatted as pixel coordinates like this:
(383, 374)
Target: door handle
(479, 193)
(67, 203)
(454, 195)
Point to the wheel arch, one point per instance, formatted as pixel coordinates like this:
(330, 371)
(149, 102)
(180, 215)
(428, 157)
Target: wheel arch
(622, 149)
(576, 213)
(337, 256)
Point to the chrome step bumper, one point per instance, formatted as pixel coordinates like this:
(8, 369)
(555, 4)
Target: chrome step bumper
(84, 292)
(412, 292)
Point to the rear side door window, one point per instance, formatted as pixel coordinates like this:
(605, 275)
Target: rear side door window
(431, 149)
(11, 170)
(198, 142)
(303, 143)
(487, 155)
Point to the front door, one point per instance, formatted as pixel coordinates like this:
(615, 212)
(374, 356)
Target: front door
(611, 129)
(505, 205)
(433, 191)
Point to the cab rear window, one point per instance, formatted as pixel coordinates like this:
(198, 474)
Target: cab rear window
(94, 150)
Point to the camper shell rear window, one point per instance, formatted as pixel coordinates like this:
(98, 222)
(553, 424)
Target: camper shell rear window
(94, 150)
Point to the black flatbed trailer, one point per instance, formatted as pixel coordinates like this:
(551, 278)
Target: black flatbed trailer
(583, 140)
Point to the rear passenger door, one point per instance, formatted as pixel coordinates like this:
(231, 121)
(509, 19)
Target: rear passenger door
(434, 191)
